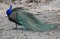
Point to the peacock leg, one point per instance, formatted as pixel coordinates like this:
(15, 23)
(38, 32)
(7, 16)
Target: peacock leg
(16, 26)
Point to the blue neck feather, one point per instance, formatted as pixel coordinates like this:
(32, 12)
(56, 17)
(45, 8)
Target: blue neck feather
(9, 11)
(10, 6)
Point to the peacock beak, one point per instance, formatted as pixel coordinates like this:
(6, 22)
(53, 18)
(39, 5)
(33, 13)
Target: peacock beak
(6, 16)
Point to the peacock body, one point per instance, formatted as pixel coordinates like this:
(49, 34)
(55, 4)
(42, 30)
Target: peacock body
(29, 21)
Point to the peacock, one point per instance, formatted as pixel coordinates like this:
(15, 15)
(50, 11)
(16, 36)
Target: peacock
(28, 20)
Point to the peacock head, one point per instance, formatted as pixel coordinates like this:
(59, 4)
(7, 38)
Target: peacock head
(9, 11)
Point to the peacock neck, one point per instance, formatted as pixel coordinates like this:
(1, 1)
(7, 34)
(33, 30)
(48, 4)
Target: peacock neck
(9, 11)
(10, 6)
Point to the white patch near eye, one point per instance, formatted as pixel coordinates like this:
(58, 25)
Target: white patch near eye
(6, 14)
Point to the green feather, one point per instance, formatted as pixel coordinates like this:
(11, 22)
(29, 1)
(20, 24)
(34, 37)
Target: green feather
(30, 22)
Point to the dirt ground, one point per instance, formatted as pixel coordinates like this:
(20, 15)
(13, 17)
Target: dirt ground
(49, 13)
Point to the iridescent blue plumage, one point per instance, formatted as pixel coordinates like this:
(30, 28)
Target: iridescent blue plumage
(9, 11)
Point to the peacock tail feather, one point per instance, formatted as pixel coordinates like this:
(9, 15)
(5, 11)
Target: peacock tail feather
(29, 21)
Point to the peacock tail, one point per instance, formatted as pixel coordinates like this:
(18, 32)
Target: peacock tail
(29, 21)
